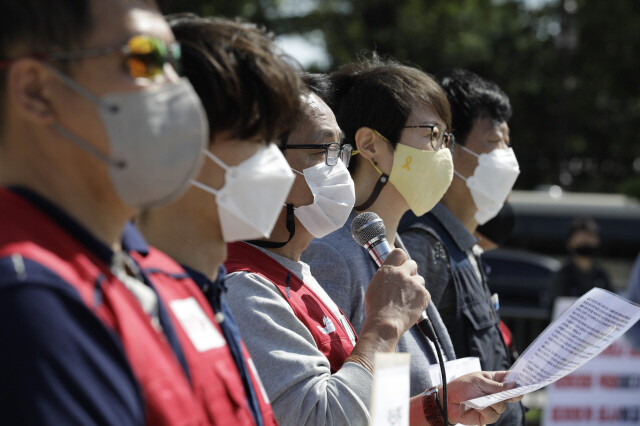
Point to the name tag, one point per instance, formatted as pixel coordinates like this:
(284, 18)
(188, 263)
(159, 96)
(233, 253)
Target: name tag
(203, 334)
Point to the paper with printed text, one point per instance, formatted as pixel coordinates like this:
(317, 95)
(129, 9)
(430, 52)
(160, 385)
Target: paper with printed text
(580, 333)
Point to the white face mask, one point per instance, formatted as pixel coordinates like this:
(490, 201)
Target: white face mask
(156, 136)
(333, 198)
(251, 198)
(491, 181)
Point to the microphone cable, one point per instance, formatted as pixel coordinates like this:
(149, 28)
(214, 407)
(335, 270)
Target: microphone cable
(368, 230)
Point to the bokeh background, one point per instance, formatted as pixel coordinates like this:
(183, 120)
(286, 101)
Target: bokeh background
(570, 67)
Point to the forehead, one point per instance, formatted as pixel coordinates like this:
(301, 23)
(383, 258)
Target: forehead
(582, 234)
(318, 123)
(490, 129)
(117, 20)
(422, 114)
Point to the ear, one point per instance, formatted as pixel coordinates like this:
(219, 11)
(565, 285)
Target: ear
(29, 91)
(366, 142)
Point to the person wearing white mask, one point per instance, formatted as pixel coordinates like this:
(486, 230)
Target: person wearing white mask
(314, 369)
(98, 327)
(251, 95)
(442, 241)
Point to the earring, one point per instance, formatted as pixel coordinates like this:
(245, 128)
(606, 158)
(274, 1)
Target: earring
(374, 162)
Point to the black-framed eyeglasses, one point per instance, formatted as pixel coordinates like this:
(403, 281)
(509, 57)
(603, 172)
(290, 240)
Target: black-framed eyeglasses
(144, 56)
(439, 138)
(332, 151)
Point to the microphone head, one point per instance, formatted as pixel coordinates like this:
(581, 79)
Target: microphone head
(367, 226)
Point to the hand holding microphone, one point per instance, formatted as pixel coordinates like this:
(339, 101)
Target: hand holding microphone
(369, 231)
(396, 296)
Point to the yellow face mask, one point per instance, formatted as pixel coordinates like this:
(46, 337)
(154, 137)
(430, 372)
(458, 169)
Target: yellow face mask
(421, 177)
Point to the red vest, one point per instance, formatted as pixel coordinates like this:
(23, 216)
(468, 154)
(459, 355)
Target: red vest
(331, 337)
(216, 394)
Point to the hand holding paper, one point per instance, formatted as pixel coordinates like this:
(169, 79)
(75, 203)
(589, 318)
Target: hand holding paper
(472, 386)
(584, 330)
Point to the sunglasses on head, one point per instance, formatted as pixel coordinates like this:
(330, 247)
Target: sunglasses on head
(144, 56)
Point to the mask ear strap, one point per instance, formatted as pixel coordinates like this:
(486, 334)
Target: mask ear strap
(459, 175)
(118, 164)
(79, 89)
(291, 227)
(464, 148)
(382, 181)
(215, 159)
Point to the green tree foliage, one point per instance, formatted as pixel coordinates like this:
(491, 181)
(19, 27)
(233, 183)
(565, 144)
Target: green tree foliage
(570, 67)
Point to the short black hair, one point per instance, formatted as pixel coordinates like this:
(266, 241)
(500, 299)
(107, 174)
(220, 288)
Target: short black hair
(246, 84)
(380, 94)
(471, 98)
(42, 26)
(320, 84)
(37, 26)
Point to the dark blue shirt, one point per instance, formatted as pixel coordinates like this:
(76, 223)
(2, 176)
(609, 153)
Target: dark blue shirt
(60, 364)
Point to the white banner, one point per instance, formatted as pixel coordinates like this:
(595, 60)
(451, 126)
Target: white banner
(605, 391)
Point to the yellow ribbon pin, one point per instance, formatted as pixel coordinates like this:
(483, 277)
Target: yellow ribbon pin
(407, 163)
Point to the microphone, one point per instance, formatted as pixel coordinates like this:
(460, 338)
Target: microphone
(368, 230)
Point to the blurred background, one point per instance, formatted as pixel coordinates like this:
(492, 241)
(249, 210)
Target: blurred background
(570, 67)
(571, 70)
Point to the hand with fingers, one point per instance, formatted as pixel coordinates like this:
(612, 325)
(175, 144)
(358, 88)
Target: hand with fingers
(396, 296)
(475, 385)
(395, 299)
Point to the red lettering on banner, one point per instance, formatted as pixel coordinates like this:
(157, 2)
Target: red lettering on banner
(571, 413)
(609, 381)
(574, 381)
(625, 414)
(615, 349)
(608, 413)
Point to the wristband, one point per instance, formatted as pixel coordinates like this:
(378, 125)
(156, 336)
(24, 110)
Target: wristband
(431, 407)
(440, 407)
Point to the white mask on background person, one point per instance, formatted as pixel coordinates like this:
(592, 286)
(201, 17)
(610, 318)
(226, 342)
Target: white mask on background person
(492, 181)
(251, 198)
(333, 198)
(156, 136)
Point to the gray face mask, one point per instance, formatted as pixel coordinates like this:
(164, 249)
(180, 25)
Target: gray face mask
(156, 137)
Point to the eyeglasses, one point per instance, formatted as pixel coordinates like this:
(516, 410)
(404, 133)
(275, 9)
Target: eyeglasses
(332, 151)
(144, 56)
(439, 138)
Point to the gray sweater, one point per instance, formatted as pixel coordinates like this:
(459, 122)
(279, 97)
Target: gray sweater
(295, 374)
(344, 270)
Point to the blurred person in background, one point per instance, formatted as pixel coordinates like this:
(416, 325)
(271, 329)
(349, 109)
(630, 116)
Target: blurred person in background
(97, 326)
(251, 96)
(580, 272)
(442, 241)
